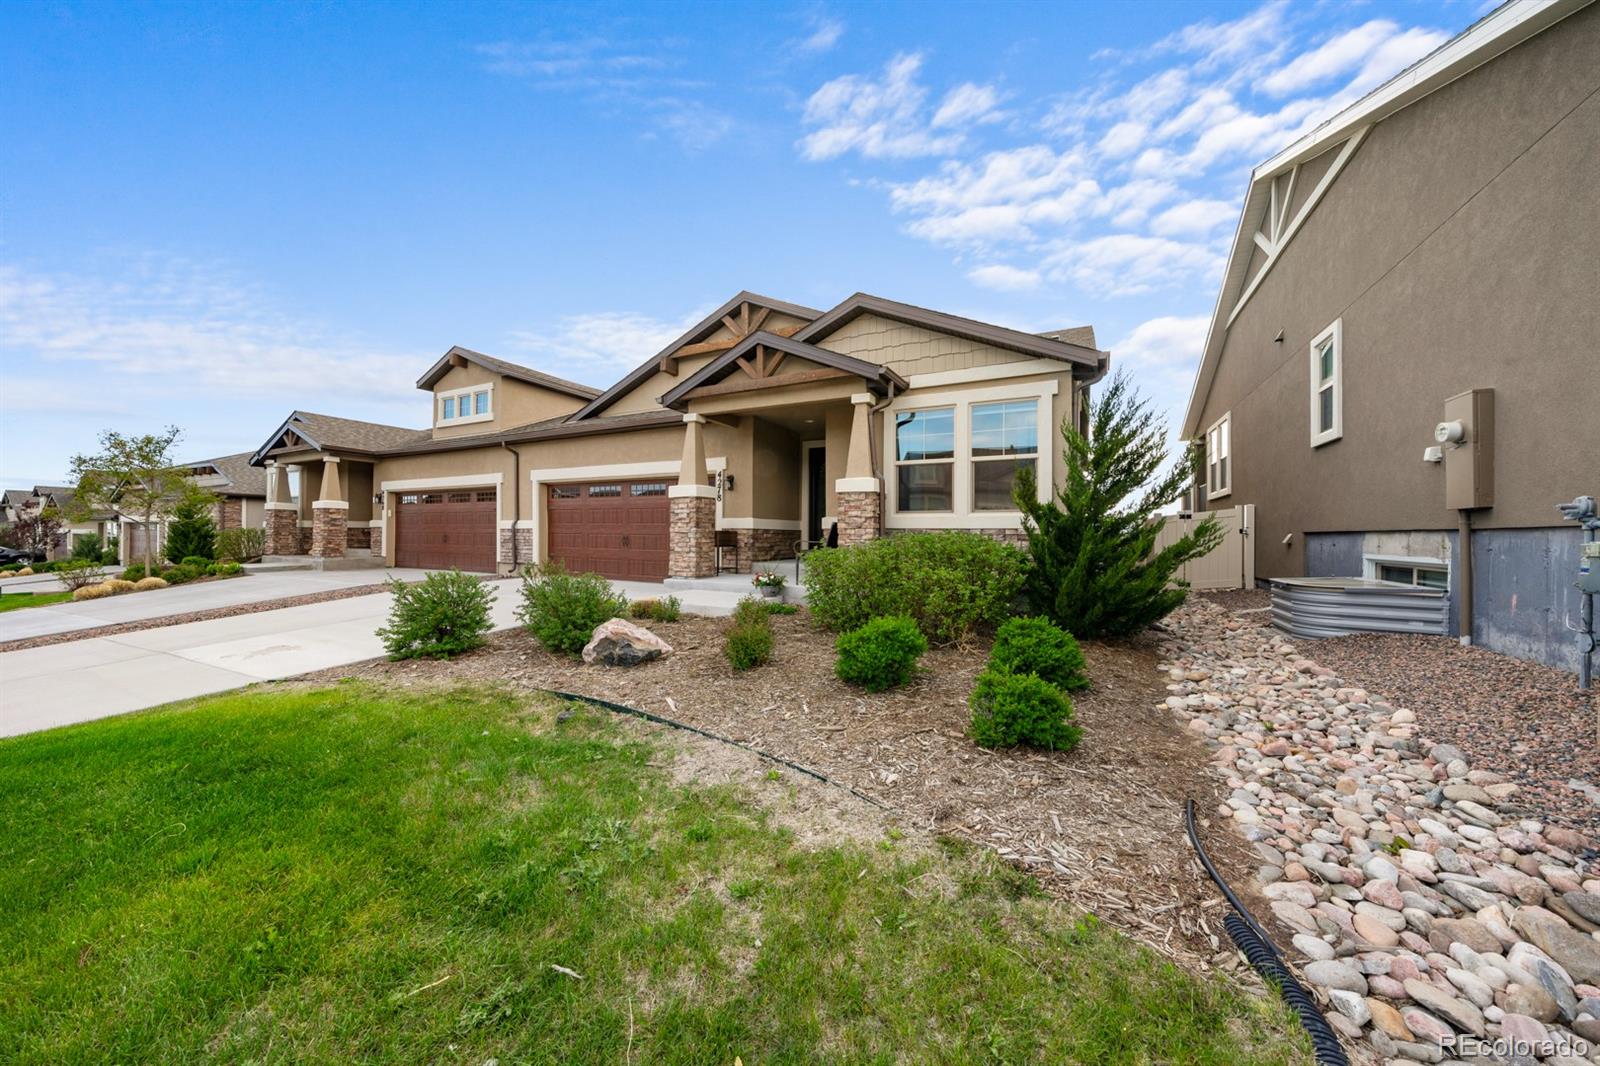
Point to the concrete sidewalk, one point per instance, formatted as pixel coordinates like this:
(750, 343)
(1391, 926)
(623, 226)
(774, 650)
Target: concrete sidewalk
(41, 688)
(182, 599)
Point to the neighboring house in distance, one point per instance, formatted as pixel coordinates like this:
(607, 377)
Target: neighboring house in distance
(762, 426)
(241, 491)
(22, 503)
(1439, 236)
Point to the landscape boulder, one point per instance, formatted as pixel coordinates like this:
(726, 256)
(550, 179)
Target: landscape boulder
(618, 642)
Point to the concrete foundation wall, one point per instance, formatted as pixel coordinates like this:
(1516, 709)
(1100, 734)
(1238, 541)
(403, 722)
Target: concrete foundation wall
(1523, 594)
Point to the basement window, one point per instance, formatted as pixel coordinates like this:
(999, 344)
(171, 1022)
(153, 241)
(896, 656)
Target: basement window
(1427, 573)
(1327, 384)
(1219, 457)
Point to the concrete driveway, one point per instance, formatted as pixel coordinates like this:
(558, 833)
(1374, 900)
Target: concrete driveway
(103, 676)
(181, 599)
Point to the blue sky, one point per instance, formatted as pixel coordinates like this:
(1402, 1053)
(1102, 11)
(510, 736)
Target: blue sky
(212, 214)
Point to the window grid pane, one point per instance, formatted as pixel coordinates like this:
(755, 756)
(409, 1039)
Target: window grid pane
(925, 486)
(449, 407)
(1009, 428)
(1325, 410)
(921, 435)
(992, 481)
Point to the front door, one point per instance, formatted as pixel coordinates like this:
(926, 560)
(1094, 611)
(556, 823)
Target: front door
(816, 492)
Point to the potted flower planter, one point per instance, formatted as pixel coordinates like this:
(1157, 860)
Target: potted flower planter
(769, 582)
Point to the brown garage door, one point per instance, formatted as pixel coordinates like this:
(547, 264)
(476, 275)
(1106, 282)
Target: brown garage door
(447, 530)
(614, 528)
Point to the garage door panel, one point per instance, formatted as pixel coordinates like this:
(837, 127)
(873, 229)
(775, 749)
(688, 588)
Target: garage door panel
(618, 529)
(448, 530)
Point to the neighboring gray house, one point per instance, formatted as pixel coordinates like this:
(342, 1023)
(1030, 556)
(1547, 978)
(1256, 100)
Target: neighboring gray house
(1429, 255)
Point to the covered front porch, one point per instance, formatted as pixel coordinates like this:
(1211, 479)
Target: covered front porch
(802, 470)
(320, 505)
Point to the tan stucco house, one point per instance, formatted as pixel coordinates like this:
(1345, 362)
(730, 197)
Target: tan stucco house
(241, 492)
(1430, 255)
(765, 425)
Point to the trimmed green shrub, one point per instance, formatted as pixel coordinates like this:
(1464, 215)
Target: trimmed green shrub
(224, 569)
(748, 641)
(949, 583)
(192, 533)
(178, 575)
(88, 546)
(111, 554)
(241, 545)
(663, 610)
(882, 654)
(562, 609)
(134, 572)
(444, 614)
(74, 574)
(197, 562)
(779, 607)
(1012, 709)
(1039, 647)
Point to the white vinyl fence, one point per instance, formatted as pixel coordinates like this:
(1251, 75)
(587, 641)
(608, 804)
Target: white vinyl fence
(1232, 564)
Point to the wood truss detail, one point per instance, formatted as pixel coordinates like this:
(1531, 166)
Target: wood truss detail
(746, 321)
(1277, 228)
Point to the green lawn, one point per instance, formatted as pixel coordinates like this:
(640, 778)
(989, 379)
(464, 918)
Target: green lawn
(350, 873)
(12, 601)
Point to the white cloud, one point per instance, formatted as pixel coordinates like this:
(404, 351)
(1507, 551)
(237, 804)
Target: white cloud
(966, 105)
(1126, 264)
(599, 343)
(1193, 217)
(1004, 278)
(825, 33)
(165, 320)
(1003, 196)
(1169, 343)
(1338, 55)
(1123, 139)
(880, 118)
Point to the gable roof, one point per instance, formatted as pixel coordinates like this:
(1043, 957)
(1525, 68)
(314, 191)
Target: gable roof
(1491, 36)
(505, 369)
(325, 432)
(241, 479)
(1044, 346)
(877, 378)
(699, 330)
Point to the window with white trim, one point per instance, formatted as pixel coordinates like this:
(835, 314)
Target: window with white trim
(1327, 384)
(473, 404)
(1005, 438)
(1219, 457)
(1428, 573)
(925, 451)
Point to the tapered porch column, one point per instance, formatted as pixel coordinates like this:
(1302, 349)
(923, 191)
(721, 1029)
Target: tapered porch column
(283, 517)
(693, 504)
(330, 514)
(859, 492)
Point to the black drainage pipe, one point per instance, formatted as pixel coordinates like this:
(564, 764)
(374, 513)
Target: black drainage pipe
(1253, 943)
(622, 708)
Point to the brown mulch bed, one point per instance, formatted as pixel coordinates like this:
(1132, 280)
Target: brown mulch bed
(43, 640)
(1102, 827)
(1522, 719)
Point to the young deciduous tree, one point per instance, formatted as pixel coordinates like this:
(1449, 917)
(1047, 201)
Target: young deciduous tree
(134, 475)
(38, 531)
(1096, 572)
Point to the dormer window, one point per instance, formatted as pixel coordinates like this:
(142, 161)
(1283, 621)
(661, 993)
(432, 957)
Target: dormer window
(474, 403)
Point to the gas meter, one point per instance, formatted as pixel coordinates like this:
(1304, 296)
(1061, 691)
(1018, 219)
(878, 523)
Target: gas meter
(1589, 569)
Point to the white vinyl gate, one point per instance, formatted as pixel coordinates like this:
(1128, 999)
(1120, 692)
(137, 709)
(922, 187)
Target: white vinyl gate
(1232, 564)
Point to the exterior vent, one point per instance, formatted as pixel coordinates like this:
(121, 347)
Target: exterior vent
(1338, 606)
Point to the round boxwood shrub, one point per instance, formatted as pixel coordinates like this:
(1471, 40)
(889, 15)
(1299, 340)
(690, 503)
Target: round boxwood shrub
(561, 610)
(1012, 709)
(882, 654)
(1039, 647)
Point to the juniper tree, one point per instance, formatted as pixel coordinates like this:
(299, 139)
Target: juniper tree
(1096, 571)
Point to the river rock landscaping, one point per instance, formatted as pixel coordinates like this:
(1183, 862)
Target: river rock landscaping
(1435, 910)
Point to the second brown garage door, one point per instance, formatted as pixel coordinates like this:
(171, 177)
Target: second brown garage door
(447, 530)
(615, 528)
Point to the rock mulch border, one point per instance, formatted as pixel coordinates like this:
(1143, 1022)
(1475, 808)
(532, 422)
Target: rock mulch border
(1438, 916)
(23, 643)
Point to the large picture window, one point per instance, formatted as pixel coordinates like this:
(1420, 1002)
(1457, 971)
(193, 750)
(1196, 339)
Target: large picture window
(925, 451)
(1005, 438)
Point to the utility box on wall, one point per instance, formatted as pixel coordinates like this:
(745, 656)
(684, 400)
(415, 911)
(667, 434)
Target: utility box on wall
(1467, 434)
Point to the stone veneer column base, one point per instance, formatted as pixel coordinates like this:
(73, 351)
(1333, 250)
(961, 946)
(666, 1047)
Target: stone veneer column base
(693, 533)
(328, 532)
(523, 539)
(859, 517)
(283, 532)
(758, 546)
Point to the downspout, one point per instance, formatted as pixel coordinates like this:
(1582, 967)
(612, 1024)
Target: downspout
(516, 500)
(872, 452)
(1464, 606)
